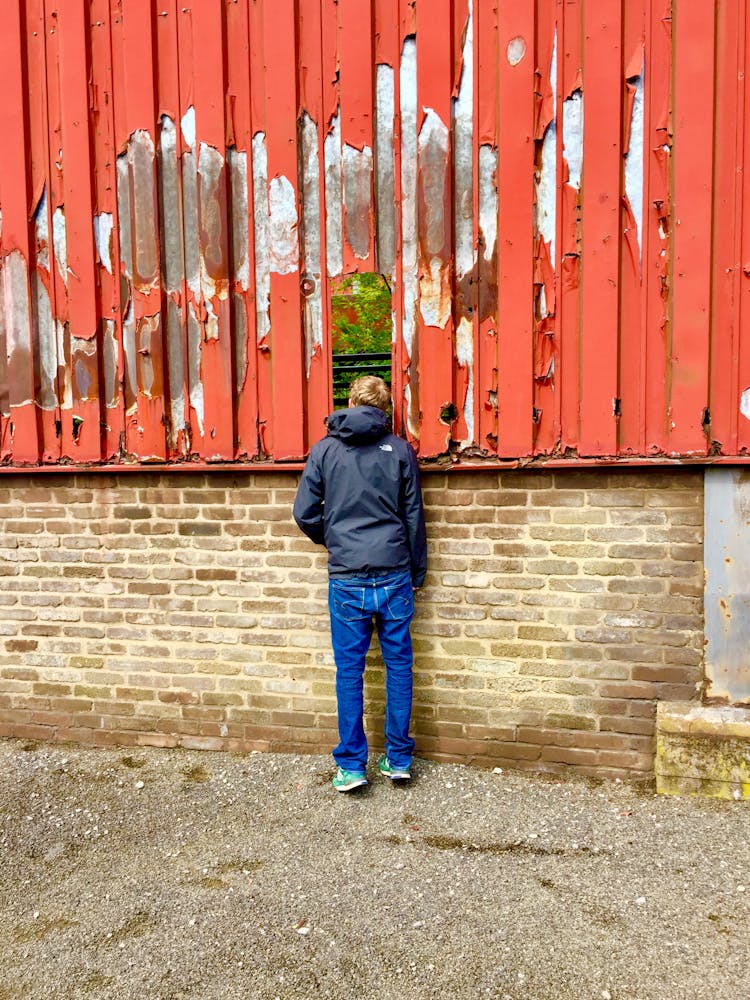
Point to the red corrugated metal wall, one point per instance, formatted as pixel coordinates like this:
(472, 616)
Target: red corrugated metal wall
(553, 188)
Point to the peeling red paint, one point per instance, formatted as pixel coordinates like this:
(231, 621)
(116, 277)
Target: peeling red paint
(179, 184)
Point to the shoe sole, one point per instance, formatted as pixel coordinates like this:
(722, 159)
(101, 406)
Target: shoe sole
(397, 776)
(351, 786)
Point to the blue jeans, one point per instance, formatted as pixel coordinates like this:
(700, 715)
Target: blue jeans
(354, 602)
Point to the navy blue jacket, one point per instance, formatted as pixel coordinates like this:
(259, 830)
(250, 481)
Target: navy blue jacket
(360, 497)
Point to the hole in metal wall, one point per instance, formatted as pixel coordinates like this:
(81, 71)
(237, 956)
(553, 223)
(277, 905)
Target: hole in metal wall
(361, 331)
(449, 413)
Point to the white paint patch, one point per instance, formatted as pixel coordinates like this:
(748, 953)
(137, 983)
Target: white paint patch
(311, 232)
(103, 225)
(488, 200)
(60, 243)
(463, 145)
(262, 236)
(334, 197)
(745, 404)
(284, 246)
(408, 88)
(385, 177)
(634, 158)
(573, 137)
(187, 125)
(516, 50)
(465, 358)
(546, 190)
(239, 209)
(41, 232)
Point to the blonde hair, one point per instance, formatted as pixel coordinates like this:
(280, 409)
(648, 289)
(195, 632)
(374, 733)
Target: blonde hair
(369, 390)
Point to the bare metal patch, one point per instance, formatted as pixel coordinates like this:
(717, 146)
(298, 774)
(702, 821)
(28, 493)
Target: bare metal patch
(110, 355)
(262, 237)
(130, 359)
(573, 137)
(141, 160)
(634, 157)
(240, 341)
(14, 277)
(284, 246)
(47, 339)
(194, 368)
(123, 215)
(103, 225)
(385, 179)
(147, 327)
(310, 172)
(171, 207)
(175, 368)
(357, 188)
(435, 294)
(83, 355)
(60, 243)
(63, 337)
(334, 198)
(516, 50)
(214, 268)
(41, 232)
(463, 150)
(187, 126)
(488, 200)
(408, 109)
(240, 207)
(546, 185)
(435, 297)
(465, 358)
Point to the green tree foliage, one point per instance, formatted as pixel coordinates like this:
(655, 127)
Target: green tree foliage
(361, 315)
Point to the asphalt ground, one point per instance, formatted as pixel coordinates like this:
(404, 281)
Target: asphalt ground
(168, 874)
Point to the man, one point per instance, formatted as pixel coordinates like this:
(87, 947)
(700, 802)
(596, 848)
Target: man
(360, 497)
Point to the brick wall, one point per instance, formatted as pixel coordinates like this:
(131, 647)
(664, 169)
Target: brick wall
(186, 609)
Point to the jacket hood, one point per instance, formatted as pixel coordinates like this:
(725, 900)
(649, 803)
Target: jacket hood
(359, 424)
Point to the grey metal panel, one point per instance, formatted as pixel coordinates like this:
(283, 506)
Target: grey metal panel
(727, 590)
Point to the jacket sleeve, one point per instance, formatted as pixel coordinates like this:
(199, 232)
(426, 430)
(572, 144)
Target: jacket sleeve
(310, 501)
(414, 517)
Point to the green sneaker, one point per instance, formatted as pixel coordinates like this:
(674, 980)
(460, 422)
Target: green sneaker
(394, 773)
(345, 781)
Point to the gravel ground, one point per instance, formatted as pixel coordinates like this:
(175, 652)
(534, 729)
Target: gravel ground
(167, 874)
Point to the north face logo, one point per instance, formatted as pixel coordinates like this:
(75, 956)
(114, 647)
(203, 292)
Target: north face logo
(386, 447)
